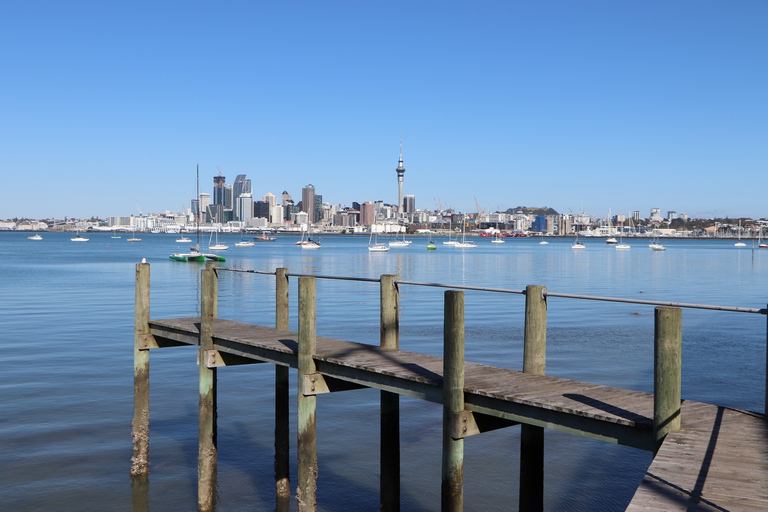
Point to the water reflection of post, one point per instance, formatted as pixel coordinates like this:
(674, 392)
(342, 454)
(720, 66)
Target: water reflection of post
(207, 449)
(389, 447)
(531, 436)
(282, 397)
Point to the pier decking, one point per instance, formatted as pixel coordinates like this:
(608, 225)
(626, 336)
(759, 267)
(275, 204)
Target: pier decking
(707, 457)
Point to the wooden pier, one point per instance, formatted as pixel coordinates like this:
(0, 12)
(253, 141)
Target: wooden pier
(707, 457)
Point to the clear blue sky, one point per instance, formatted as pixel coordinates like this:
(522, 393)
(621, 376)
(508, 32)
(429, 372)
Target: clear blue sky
(613, 105)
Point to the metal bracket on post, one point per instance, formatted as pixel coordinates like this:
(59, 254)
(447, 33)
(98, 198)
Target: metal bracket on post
(463, 425)
(147, 341)
(314, 384)
(467, 423)
(318, 384)
(216, 359)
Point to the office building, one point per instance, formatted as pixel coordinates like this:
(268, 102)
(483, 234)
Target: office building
(308, 202)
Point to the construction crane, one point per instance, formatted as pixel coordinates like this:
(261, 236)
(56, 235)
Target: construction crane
(480, 212)
(220, 171)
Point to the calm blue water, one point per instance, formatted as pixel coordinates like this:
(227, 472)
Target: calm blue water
(66, 311)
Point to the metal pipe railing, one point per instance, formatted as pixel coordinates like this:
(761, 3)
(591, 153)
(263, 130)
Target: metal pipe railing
(646, 302)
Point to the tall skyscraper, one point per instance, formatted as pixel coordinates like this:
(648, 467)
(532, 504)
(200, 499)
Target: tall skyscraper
(308, 202)
(400, 172)
(409, 203)
(367, 213)
(219, 187)
(242, 186)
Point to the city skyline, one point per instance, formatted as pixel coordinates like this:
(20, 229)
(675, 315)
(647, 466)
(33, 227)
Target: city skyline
(602, 106)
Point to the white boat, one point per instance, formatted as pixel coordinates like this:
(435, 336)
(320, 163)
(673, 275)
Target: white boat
(310, 244)
(656, 246)
(543, 242)
(449, 241)
(611, 241)
(35, 237)
(497, 239)
(184, 240)
(740, 243)
(621, 246)
(464, 244)
(79, 238)
(375, 246)
(399, 243)
(576, 244)
(760, 243)
(217, 246)
(244, 243)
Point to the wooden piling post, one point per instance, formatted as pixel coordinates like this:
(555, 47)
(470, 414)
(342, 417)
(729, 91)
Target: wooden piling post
(452, 488)
(667, 371)
(532, 437)
(306, 492)
(765, 410)
(389, 457)
(206, 461)
(282, 419)
(140, 424)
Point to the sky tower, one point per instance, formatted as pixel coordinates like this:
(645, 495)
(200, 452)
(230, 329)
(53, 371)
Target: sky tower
(400, 172)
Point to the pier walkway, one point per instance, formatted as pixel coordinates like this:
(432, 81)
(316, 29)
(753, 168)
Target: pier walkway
(707, 457)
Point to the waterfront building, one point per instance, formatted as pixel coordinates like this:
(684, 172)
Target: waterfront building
(656, 215)
(671, 215)
(636, 216)
(308, 202)
(400, 174)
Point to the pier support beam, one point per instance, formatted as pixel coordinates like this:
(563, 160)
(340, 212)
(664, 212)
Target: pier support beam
(532, 437)
(452, 488)
(389, 482)
(282, 415)
(207, 454)
(306, 492)
(667, 371)
(140, 424)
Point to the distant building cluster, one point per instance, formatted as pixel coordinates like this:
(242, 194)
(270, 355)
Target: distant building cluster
(231, 207)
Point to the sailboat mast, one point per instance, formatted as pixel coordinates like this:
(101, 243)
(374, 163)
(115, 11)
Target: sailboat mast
(197, 209)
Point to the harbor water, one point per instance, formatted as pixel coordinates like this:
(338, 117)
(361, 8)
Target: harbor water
(66, 313)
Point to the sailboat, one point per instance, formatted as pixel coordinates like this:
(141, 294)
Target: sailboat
(79, 238)
(543, 242)
(400, 242)
(740, 243)
(576, 244)
(244, 243)
(133, 237)
(375, 246)
(217, 246)
(464, 244)
(497, 236)
(655, 245)
(194, 253)
(449, 241)
(621, 246)
(431, 244)
(760, 243)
